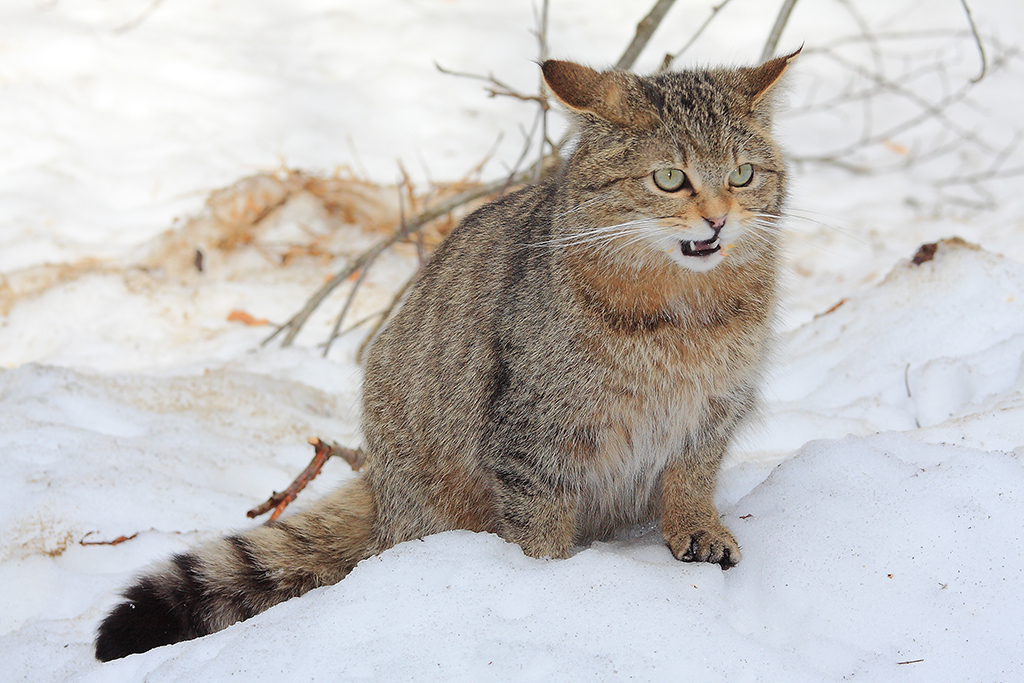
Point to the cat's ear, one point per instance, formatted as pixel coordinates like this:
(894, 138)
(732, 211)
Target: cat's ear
(760, 80)
(613, 96)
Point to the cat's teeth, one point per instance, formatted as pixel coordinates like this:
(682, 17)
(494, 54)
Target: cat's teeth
(700, 247)
(704, 246)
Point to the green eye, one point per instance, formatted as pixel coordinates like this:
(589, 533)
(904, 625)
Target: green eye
(741, 176)
(669, 179)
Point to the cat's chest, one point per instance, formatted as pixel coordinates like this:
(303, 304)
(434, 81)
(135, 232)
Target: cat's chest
(637, 435)
(655, 396)
(635, 439)
(646, 426)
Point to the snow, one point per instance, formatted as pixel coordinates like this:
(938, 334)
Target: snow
(878, 501)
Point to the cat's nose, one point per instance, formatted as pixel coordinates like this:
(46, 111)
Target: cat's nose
(716, 224)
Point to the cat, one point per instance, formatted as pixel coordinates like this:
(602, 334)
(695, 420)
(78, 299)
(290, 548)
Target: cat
(573, 359)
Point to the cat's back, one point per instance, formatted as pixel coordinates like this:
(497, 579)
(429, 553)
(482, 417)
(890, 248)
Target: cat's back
(471, 276)
(429, 369)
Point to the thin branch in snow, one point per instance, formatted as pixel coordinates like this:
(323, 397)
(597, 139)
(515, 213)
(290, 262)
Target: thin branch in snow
(382, 320)
(922, 99)
(399, 233)
(137, 21)
(348, 304)
(995, 169)
(116, 541)
(497, 88)
(537, 170)
(322, 452)
(669, 58)
(780, 24)
(542, 45)
(977, 41)
(926, 110)
(644, 30)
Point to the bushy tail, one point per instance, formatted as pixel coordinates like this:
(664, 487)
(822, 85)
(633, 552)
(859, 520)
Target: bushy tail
(215, 585)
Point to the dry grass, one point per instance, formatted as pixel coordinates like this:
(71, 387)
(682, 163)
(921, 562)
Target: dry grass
(241, 214)
(249, 214)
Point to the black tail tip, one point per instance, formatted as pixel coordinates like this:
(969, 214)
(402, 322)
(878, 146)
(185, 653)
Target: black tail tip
(144, 621)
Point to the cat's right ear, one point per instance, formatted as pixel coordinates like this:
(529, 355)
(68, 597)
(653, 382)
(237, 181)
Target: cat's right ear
(610, 95)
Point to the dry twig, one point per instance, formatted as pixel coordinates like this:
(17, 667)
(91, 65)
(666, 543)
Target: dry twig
(117, 541)
(322, 453)
(542, 42)
(780, 23)
(669, 58)
(644, 30)
(496, 89)
(137, 21)
(367, 258)
(382, 320)
(904, 92)
(977, 41)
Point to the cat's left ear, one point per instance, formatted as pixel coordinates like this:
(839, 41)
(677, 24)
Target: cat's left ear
(760, 80)
(614, 96)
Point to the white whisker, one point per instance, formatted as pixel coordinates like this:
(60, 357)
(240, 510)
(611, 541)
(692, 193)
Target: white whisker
(582, 206)
(642, 237)
(593, 235)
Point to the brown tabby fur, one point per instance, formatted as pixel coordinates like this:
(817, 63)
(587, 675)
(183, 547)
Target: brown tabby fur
(563, 367)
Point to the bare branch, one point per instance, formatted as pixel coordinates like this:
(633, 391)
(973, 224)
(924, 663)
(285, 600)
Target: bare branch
(669, 58)
(116, 541)
(368, 264)
(644, 30)
(978, 177)
(536, 170)
(994, 170)
(299, 319)
(977, 40)
(322, 452)
(776, 32)
(385, 315)
(348, 304)
(928, 110)
(401, 232)
(880, 36)
(137, 21)
(542, 40)
(497, 89)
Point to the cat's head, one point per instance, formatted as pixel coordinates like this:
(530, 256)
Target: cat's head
(680, 165)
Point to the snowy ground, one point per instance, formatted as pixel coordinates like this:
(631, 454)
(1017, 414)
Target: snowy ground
(879, 503)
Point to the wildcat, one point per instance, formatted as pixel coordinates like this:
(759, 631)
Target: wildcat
(574, 359)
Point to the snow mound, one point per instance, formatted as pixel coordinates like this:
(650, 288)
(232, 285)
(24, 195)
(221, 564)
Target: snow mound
(938, 345)
(877, 558)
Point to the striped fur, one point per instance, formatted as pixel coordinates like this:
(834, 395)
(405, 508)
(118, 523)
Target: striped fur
(574, 359)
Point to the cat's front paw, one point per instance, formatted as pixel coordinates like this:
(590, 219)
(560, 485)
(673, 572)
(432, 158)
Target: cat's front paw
(705, 543)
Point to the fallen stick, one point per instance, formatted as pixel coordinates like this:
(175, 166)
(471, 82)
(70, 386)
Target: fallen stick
(117, 541)
(322, 453)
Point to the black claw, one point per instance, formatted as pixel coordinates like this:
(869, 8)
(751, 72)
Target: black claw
(717, 553)
(693, 554)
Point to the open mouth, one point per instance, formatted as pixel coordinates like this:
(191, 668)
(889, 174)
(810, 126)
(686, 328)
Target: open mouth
(701, 248)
